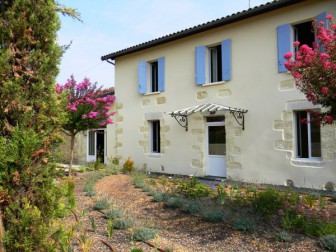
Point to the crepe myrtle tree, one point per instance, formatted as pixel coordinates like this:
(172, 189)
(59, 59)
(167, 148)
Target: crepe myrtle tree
(314, 69)
(86, 106)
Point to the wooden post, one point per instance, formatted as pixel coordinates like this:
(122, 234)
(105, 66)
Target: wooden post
(2, 234)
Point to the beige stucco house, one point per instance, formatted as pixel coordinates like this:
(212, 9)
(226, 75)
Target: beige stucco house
(216, 100)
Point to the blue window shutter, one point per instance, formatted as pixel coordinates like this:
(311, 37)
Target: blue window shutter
(284, 45)
(200, 64)
(226, 59)
(322, 17)
(142, 77)
(161, 74)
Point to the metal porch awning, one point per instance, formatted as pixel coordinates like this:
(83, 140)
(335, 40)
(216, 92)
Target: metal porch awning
(181, 116)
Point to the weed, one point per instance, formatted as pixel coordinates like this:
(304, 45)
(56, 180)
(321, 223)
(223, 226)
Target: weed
(93, 224)
(101, 205)
(85, 242)
(221, 194)
(128, 165)
(328, 242)
(245, 223)
(144, 234)
(110, 228)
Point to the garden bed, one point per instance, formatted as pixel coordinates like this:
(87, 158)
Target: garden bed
(177, 230)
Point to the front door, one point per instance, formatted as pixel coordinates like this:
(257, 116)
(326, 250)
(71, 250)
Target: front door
(216, 147)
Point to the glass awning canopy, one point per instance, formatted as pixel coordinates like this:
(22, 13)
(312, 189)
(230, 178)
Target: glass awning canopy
(181, 116)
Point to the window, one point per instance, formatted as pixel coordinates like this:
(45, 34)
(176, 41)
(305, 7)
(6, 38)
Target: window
(288, 33)
(154, 76)
(151, 76)
(213, 63)
(308, 136)
(155, 136)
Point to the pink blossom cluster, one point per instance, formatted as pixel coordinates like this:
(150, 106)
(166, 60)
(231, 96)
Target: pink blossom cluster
(87, 105)
(314, 68)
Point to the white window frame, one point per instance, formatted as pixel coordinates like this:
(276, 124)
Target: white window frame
(309, 138)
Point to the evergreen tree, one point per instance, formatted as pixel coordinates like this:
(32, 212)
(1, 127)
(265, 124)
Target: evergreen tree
(29, 120)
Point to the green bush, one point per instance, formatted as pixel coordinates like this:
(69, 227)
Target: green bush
(283, 236)
(245, 223)
(328, 242)
(160, 197)
(144, 234)
(122, 223)
(213, 215)
(101, 205)
(174, 202)
(114, 213)
(193, 207)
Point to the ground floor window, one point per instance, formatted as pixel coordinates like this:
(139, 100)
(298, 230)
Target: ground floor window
(308, 135)
(155, 136)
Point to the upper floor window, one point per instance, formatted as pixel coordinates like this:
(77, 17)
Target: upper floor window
(151, 76)
(213, 63)
(287, 34)
(308, 135)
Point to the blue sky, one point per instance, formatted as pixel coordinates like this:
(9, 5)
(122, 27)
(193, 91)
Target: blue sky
(112, 25)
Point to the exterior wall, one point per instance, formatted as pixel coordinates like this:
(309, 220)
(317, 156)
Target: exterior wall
(263, 152)
(80, 149)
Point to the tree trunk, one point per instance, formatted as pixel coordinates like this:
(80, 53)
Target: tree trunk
(2, 234)
(72, 145)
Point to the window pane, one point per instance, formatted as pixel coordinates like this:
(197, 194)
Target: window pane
(215, 63)
(217, 141)
(154, 76)
(315, 139)
(302, 135)
(156, 136)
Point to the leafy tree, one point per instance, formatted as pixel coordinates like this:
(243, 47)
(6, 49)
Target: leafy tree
(29, 121)
(314, 69)
(86, 107)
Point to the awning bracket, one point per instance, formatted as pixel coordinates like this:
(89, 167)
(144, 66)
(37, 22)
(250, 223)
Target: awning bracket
(182, 120)
(239, 117)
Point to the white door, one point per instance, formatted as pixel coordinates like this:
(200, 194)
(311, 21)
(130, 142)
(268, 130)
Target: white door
(216, 147)
(91, 146)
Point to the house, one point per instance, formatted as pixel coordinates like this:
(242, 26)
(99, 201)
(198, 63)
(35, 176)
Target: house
(216, 100)
(90, 145)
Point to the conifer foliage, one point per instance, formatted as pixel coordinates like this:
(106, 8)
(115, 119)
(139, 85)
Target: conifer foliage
(29, 121)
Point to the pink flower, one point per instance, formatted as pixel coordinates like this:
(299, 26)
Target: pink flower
(288, 65)
(109, 121)
(325, 90)
(329, 17)
(328, 119)
(58, 88)
(288, 55)
(93, 115)
(84, 116)
(297, 75)
(296, 43)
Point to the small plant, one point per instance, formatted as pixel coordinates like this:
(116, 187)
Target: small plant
(101, 205)
(128, 165)
(93, 224)
(160, 197)
(174, 202)
(110, 228)
(193, 207)
(213, 215)
(244, 223)
(114, 213)
(221, 194)
(283, 236)
(91, 193)
(311, 198)
(122, 223)
(85, 242)
(144, 234)
(328, 242)
(138, 179)
(136, 250)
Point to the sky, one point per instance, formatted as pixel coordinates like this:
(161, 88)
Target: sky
(112, 25)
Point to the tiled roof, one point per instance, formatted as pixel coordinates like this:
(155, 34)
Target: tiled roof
(204, 27)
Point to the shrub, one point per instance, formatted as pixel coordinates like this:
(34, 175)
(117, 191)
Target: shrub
(122, 223)
(193, 207)
(138, 179)
(328, 242)
(144, 234)
(267, 202)
(174, 202)
(213, 215)
(160, 197)
(128, 165)
(114, 213)
(283, 236)
(101, 205)
(244, 223)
